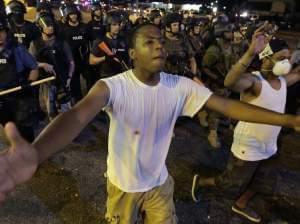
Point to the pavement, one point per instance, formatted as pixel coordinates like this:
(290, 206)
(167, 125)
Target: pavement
(70, 188)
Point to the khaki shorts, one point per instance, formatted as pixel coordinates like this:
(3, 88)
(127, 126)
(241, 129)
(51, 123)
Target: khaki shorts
(155, 206)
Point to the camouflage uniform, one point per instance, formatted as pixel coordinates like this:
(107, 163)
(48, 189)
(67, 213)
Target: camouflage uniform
(179, 54)
(218, 60)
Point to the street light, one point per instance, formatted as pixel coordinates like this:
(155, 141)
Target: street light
(215, 9)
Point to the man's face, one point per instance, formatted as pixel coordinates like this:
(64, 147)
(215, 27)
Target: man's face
(98, 13)
(49, 30)
(115, 28)
(196, 30)
(269, 62)
(3, 36)
(149, 52)
(18, 18)
(73, 18)
(157, 20)
(175, 27)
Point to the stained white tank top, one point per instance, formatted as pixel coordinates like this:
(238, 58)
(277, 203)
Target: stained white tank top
(253, 142)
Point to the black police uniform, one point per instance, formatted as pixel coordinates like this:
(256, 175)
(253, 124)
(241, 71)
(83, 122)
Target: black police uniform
(95, 30)
(57, 53)
(16, 107)
(76, 37)
(26, 33)
(111, 67)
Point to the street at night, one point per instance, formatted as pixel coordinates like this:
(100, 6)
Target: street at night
(71, 186)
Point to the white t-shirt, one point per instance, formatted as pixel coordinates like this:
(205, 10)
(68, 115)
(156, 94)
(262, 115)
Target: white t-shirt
(142, 119)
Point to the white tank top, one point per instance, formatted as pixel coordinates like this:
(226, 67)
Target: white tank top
(253, 142)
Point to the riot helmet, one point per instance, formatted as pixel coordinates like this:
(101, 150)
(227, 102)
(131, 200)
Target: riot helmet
(224, 30)
(46, 24)
(155, 17)
(16, 10)
(172, 23)
(70, 9)
(96, 11)
(113, 19)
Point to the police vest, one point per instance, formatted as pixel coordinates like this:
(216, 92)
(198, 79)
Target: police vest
(8, 72)
(76, 37)
(55, 56)
(25, 33)
(96, 30)
(177, 59)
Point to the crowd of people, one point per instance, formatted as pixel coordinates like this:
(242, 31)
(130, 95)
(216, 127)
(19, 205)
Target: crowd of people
(144, 71)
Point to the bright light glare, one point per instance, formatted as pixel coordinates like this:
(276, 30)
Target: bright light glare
(191, 6)
(244, 14)
(215, 9)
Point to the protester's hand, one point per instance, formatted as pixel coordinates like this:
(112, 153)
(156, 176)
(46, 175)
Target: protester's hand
(17, 164)
(48, 68)
(68, 83)
(259, 41)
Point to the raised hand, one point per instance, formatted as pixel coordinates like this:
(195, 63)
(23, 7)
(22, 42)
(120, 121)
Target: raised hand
(18, 163)
(259, 41)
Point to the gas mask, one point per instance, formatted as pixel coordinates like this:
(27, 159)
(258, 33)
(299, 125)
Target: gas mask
(282, 67)
(18, 18)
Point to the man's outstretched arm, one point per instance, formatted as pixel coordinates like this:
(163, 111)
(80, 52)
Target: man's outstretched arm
(19, 162)
(250, 113)
(66, 126)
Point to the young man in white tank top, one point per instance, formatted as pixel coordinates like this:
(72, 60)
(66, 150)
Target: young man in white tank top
(143, 105)
(252, 142)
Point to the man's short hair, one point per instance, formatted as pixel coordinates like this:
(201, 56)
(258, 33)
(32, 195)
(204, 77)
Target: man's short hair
(134, 33)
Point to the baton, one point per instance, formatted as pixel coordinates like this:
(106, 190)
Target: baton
(107, 51)
(35, 83)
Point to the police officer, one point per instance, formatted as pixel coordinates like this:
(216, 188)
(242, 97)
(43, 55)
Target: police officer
(22, 30)
(155, 17)
(17, 67)
(180, 58)
(116, 62)
(75, 34)
(216, 62)
(45, 8)
(95, 27)
(193, 31)
(53, 56)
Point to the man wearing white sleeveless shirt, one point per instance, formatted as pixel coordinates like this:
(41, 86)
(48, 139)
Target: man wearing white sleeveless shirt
(143, 104)
(254, 143)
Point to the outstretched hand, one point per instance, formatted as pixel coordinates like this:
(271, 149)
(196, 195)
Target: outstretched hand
(18, 163)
